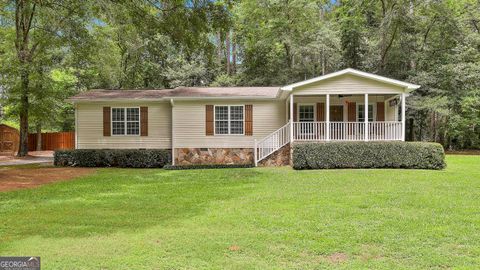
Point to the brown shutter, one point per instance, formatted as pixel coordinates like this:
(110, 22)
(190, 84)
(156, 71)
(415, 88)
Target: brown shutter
(352, 112)
(320, 112)
(294, 112)
(209, 120)
(143, 121)
(380, 111)
(106, 121)
(248, 120)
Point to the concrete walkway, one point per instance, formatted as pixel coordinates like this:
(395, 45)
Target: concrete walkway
(32, 158)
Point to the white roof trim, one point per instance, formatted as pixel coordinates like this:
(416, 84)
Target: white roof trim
(408, 86)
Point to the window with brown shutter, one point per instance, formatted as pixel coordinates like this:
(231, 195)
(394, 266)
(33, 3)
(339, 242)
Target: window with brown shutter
(352, 111)
(248, 120)
(106, 121)
(320, 112)
(209, 120)
(143, 121)
(380, 111)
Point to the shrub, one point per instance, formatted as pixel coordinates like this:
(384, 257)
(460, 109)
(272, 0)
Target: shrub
(207, 166)
(125, 158)
(411, 155)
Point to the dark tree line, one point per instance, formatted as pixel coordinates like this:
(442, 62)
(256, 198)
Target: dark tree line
(51, 49)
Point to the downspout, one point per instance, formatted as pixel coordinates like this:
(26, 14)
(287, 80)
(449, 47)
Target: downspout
(76, 125)
(172, 104)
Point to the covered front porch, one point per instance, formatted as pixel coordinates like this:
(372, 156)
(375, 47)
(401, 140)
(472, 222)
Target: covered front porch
(348, 105)
(342, 117)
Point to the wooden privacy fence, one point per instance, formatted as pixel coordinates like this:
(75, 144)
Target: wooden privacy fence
(53, 141)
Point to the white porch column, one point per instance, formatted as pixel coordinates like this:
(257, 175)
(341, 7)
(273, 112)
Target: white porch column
(327, 117)
(403, 116)
(365, 113)
(291, 118)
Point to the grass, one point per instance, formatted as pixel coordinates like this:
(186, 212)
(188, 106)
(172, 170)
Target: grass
(262, 218)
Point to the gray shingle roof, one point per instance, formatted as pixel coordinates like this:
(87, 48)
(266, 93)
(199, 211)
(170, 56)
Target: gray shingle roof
(180, 92)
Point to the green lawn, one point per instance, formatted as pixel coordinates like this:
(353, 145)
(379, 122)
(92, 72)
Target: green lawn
(265, 218)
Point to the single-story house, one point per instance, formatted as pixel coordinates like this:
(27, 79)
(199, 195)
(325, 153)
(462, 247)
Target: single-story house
(205, 125)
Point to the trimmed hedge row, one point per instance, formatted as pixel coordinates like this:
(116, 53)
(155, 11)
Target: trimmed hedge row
(411, 155)
(207, 166)
(124, 158)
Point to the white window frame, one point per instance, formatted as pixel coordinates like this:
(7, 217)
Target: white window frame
(374, 112)
(307, 104)
(125, 122)
(215, 119)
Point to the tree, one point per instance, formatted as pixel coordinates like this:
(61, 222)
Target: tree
(39, 27)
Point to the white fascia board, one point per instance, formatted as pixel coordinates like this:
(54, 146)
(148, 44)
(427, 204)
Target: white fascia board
(74, 101)
(226, 98)
(407, 86)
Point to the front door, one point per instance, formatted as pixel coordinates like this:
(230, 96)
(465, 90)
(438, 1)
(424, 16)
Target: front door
(336, 113)
(336, 129)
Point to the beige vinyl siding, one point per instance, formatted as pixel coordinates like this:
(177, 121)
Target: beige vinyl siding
(189, 124)
(348, 84)
(90, 127)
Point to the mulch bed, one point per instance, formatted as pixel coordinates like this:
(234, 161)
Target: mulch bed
(12, 178)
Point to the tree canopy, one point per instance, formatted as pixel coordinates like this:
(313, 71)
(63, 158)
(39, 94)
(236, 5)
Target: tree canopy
(51, 49)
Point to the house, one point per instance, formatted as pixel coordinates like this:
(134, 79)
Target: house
(244, 124)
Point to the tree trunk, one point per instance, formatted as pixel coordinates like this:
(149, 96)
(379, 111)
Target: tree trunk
(24, 106)
(323, 60)
(227, 51)
(413, 65)
(410, 131)
(234, 53)
(24, 14)
(39, 137)
(219, 48)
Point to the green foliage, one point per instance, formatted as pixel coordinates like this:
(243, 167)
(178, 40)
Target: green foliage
(123, 158)
(164, 44)
(409, 155)
(225, 80)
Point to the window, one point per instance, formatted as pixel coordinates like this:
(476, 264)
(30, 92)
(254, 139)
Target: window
(125, 121)
(229, 120)
(306, 113)
(361, 114)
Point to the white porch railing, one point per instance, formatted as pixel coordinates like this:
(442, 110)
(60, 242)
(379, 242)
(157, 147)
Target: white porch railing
(309, 131)
(317, 131)
(347, 131)
(385, 131)
(272, 143)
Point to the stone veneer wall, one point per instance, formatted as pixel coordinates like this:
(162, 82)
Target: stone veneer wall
(281, 157)
(188, 156)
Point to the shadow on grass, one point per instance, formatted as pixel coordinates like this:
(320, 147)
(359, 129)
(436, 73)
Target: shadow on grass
(117, 199)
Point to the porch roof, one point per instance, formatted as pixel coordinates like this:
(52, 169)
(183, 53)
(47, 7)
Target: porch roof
(408, 86)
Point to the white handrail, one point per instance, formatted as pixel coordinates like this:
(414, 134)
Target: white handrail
(347, 131)
(323, 131)
(271, 143)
